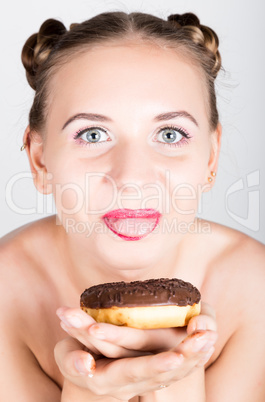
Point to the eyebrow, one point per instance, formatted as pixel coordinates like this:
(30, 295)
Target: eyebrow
(160, 117)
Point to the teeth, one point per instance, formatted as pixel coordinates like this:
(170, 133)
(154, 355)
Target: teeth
(132, 226)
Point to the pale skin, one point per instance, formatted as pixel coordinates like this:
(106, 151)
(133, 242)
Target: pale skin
(45, 268)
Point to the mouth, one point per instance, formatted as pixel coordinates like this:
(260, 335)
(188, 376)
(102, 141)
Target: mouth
(132, 224)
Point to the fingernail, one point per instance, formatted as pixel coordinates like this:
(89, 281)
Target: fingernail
(201, 325)
(97, 332)
(71, 321)
(198, 344)
(83, 366)
(174, 362)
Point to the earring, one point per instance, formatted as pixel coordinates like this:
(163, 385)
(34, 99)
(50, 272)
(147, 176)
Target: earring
(23, 146)
(210, 178)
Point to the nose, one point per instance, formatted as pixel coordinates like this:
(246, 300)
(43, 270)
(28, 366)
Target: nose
(133, 163)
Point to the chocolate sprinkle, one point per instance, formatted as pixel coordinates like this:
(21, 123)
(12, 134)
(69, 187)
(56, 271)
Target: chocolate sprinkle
(151, 292)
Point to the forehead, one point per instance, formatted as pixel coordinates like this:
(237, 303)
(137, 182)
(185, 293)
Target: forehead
(126, 78)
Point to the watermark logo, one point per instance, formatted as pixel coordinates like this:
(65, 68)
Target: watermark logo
(183, 198)
(168, 197)
(173, 226)
(252, 220)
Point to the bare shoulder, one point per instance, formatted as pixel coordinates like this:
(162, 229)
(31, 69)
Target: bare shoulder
(22, 272)
(24, 244)
(24, 236)
(27, 316)
(237, 268)
(235, 287)
(242, 253)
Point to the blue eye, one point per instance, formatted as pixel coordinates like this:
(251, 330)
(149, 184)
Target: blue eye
(92, 136)
(172, 136)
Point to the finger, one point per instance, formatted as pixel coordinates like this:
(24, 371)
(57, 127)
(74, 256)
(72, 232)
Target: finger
(77, 323)
(100, 347)
(72, 360)
(206, 357)
(123, 336)
(138, 339)
(74, 317)
(172, 365)
(206, 320)
(140, 369)
(197, 344)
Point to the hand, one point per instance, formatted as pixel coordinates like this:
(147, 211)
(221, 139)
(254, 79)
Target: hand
(127, 377)
(114, 341)
(139, 374)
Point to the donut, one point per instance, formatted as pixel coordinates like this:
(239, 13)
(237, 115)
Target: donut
(148, 304)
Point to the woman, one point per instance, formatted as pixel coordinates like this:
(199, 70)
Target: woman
(125, 117)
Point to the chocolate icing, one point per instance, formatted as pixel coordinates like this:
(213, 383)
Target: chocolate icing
(151, 292)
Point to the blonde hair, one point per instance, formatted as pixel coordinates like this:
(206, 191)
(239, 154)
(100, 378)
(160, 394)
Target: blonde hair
(44, 52)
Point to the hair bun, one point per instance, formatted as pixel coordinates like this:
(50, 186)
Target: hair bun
(200, 35)
(38, 46)
(185, 19)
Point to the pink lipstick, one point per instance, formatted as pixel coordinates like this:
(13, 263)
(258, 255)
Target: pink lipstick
(132, 224)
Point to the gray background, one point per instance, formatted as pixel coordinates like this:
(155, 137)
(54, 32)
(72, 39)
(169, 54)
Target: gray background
(238, 196)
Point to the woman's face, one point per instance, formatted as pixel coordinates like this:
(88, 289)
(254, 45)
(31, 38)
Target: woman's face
(130, 159)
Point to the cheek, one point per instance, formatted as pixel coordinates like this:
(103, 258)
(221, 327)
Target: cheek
(188, 180)
(184, 200)
(65, 181)
(80, 189)
(190, 170)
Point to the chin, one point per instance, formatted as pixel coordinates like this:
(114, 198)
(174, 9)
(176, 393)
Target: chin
(123, 255)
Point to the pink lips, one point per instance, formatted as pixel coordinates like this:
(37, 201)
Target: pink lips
(132, 224)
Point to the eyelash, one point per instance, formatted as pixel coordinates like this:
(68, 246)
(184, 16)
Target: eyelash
(183, 141)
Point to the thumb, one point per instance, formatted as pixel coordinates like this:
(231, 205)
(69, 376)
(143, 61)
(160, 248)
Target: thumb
(206, 320)
(72, 361)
